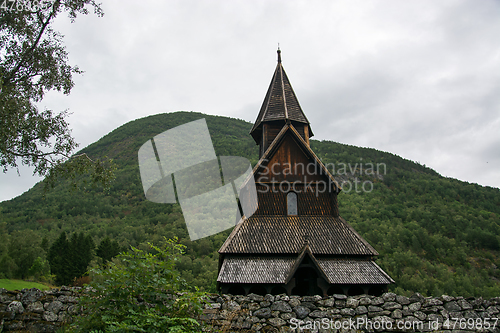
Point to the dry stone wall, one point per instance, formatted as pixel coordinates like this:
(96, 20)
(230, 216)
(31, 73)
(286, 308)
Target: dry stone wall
(32, 310)
(339, 313)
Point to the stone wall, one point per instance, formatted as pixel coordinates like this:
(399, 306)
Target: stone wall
(33, 310)
(339, 313)
(45, 311)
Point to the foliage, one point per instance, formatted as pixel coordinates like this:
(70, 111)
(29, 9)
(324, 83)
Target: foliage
(40, 269)
(69, 259)
(21, 255)
(434, 234)
(107, 249)
(140, 292)
(33, 61)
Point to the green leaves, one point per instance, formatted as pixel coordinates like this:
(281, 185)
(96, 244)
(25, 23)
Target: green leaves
(81, 170)
(140, 292)
(33, 61)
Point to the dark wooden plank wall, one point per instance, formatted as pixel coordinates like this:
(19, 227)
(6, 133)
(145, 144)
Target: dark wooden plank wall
(270, 132)
(308, 201)
(290, 155)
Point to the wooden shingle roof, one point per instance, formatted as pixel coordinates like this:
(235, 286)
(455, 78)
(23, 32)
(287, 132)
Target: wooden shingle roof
(280, 102)
(255, 270)
(285, 235)
(276, 270)
(352, 271)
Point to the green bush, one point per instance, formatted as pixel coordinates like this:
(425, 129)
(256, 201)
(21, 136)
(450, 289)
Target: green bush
(140, 292)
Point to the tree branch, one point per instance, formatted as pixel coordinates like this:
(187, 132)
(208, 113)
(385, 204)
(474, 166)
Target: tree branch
(35, 43)
(41, 155)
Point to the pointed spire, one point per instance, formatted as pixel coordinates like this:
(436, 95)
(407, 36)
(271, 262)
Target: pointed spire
(280, 103)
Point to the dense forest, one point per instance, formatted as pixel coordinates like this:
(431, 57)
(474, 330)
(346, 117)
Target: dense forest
(435, 235)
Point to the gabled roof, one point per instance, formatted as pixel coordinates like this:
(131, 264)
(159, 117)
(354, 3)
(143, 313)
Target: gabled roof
(302, 144)
(306, 251)
(280, 269)
(280, 102)
(280, 235)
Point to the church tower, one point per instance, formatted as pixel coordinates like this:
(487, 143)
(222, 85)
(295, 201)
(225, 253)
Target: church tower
(280, 107)
(296, 242)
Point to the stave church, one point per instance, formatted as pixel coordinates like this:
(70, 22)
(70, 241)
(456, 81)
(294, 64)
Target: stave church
(296, 242)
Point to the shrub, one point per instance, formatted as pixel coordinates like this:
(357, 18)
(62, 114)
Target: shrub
(81, 281)
(140, 292)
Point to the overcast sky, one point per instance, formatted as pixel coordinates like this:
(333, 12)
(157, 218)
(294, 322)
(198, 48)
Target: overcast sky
(420, 79)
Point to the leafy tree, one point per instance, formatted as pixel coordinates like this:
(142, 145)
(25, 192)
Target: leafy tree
(39, 269)
(7, 267)
(140, 292)
(23, 249)
(33, 61)
(45, 244)
(7, 264)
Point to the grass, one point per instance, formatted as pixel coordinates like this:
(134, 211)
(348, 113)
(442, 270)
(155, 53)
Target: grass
(10, 284)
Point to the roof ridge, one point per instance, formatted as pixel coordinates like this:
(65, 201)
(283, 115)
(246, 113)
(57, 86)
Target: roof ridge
(283, 92)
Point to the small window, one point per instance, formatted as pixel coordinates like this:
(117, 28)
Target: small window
(291, 199)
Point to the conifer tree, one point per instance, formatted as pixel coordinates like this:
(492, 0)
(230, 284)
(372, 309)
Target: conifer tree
(107, 249)
(82, 247)
(70, 259)
(60, 260)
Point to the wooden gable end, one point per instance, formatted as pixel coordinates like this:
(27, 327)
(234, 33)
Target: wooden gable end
(289, 163)
(290, 159)
(272, 129)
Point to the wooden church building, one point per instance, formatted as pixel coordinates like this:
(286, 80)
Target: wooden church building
(296, 242)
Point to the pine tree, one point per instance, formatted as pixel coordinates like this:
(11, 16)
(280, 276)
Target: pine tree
(70, 259)
(45, 244)
(81, 247)
(59, 259)
(107, 249)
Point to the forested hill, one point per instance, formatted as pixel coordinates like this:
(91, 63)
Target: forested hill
(435, 235)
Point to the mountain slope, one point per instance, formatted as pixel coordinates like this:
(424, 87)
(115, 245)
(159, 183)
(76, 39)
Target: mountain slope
(435, 235)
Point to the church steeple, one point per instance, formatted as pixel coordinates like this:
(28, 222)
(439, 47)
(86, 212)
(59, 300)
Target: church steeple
(279, 107)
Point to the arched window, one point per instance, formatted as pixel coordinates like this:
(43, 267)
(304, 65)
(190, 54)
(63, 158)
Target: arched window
(291, 199)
